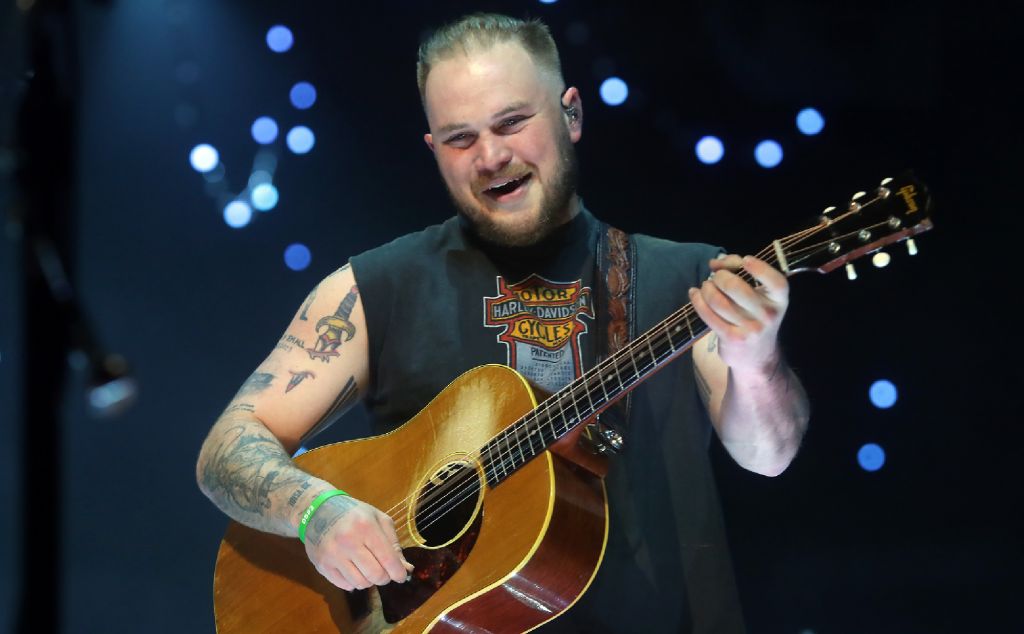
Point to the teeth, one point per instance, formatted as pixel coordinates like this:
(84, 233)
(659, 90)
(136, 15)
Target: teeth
(506, 183)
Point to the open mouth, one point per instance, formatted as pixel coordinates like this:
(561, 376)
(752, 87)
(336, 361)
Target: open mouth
(508, 187)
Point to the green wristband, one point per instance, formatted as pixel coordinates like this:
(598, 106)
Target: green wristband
(320, 499)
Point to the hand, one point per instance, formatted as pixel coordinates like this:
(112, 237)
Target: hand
(354, 545)
(745, 319)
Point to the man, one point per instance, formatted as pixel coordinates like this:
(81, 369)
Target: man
(502, 128)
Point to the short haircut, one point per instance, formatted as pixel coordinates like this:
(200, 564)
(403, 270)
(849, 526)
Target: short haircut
(481, 31)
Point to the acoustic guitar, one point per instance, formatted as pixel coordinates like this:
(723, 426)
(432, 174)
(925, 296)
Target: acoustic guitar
(500, 509)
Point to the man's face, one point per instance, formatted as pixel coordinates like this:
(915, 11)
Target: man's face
(502, 143)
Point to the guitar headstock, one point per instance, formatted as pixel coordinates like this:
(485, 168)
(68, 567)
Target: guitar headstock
(896, 210)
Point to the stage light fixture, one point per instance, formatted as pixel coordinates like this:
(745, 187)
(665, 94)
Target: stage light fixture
(300, 139)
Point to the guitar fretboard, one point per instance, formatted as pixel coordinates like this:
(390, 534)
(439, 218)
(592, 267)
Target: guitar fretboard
(590, 394)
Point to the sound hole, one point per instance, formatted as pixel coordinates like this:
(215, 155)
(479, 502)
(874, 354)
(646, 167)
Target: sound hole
(446, 503)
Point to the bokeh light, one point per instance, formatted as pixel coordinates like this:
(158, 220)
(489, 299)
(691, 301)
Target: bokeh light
(237, 214)
(297, 256)
(303, 95)
(710, 150)
(809, 121)
(204, 158)
(883, 394)
(300, 139)
(280, 38)
(264, 197)
(614, 91)
(768, 153)
(264, 130)
(871, 457)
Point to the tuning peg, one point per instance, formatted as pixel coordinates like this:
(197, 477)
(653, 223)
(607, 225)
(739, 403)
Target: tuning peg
(911, 247)
(851, 273)
(886, 181)
(880, 259)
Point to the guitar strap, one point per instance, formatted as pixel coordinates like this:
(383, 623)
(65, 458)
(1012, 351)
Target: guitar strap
(615, 316)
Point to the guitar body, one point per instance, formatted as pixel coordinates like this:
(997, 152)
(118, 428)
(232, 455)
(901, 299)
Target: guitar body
(506, 559)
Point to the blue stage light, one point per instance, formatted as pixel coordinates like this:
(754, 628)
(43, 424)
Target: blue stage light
(883, 394)
(710, 150)
(809, 121)
(303, 95)
(264, 130)
(297, 256)
(614, 91)
(768, 153)
(300, 139)
(237, 214)
(204, 158)
(548, 1)
(264, 197)
(279, 38)
(871, 457)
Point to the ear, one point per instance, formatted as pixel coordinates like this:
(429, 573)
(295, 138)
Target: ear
(572, 108)
(429, 140)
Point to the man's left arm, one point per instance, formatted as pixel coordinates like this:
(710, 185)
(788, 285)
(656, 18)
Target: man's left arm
(755, 401)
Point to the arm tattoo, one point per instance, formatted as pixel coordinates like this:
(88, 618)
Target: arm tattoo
(240, 407)
(345, 398)
(298, 377)
(294, 499)
(256, 383)
(336, 507)
(246, 468)
(712, 342)
(309, 302)
(334, 326)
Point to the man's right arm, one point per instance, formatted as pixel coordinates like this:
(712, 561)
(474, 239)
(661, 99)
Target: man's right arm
(318, 369)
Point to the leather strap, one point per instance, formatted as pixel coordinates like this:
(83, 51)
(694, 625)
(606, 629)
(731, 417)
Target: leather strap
(616, 253)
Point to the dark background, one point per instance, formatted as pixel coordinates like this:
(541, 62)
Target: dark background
(930, 543)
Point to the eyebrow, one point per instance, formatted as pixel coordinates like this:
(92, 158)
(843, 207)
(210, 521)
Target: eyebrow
(452, 127)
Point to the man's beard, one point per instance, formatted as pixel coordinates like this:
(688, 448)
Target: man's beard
(554, 206)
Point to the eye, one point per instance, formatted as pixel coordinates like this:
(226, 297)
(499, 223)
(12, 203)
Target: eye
(512, 123)
(459, 140)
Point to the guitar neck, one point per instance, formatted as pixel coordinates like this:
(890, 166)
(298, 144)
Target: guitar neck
(592, 393)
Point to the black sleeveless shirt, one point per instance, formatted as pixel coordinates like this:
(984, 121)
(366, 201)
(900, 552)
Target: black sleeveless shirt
(440, 301)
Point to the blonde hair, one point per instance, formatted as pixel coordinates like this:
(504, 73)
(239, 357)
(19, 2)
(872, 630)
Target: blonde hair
(481, 31)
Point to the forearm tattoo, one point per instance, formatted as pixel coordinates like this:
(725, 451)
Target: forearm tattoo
(245, 470)
(329, 514)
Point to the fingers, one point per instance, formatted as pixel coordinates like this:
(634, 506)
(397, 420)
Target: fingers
(360, 550)
(387, 549)
(741, 301)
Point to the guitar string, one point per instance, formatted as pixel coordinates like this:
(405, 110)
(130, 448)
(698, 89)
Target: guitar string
(439, 501)
(431, 512)
(465, 487)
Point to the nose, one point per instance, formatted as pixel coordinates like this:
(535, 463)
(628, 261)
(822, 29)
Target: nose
(493, 155)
